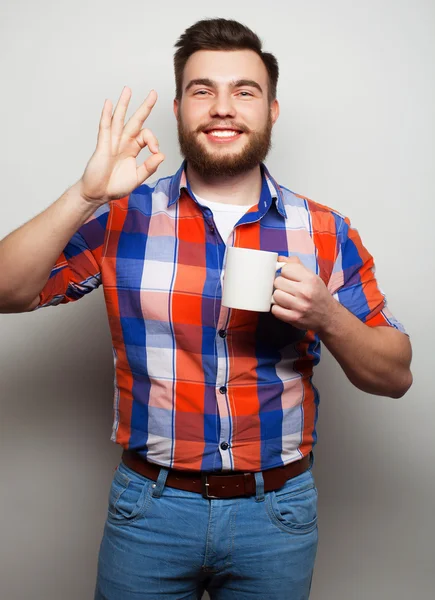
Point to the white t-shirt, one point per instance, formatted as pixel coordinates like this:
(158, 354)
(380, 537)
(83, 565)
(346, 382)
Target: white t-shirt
(225, 215)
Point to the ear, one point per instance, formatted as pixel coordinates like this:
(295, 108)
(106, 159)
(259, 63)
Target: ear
(274, 110)
(176, 107)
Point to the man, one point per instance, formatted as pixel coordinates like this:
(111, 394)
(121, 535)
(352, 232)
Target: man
(215, 408)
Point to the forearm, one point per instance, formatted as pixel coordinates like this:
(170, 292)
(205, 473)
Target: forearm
(28, 254)
(375, 359)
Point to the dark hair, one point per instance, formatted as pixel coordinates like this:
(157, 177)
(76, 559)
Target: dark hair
(221, 34)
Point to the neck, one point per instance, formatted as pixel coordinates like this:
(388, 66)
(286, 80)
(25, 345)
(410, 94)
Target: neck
(240, 189)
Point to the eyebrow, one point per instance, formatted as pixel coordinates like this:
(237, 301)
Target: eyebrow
(234, 84)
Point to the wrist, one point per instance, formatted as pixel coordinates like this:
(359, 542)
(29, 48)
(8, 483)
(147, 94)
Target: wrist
(330, 323)
(84, 206)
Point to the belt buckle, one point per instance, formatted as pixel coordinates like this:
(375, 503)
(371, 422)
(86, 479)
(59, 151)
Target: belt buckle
(205, 486)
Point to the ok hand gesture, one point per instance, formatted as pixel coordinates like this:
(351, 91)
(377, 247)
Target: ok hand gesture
(112, 171)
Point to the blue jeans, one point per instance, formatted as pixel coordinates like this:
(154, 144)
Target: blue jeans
(161, 542)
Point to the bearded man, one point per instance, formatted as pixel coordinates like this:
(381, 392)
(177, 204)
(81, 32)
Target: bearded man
(214, 407)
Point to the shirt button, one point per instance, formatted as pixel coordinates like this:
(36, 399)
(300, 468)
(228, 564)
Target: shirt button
(223, 390)
(223, 333)
(225, 445)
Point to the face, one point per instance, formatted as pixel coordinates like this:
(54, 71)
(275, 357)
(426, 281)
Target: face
(224, 116)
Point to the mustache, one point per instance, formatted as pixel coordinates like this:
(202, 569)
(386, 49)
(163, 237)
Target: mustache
(220, 124)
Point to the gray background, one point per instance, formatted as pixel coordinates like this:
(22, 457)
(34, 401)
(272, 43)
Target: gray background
(356, 133)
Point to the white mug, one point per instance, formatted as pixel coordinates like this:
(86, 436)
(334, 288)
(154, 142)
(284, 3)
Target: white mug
(248, 279)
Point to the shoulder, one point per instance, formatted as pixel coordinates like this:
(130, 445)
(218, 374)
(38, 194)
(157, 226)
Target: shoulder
(294, 199)
(319, 216)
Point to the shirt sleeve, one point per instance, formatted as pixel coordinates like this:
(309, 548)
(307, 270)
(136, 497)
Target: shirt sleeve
(77, 271)
(353, 282)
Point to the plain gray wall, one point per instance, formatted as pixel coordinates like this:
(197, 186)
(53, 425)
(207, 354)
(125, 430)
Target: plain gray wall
(356, 132)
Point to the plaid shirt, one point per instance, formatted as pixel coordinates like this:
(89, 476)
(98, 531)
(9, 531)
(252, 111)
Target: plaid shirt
(197, 385)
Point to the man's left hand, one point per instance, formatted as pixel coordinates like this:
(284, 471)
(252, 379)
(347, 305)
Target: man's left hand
(302, 299)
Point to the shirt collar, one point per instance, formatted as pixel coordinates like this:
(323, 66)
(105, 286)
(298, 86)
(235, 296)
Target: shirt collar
(270, 189)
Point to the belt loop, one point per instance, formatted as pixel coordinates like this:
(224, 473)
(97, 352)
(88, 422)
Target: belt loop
(259, 487)
(311, 460)
(160, 483)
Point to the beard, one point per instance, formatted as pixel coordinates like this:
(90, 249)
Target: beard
(225, 164)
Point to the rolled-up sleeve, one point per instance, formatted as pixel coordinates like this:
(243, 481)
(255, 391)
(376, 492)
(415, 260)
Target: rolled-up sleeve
(353, 282)
(77, 271)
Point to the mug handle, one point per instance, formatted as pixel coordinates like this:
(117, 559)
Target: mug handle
(278, 266)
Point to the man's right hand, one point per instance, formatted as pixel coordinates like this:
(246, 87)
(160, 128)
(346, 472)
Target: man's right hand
(112, 172)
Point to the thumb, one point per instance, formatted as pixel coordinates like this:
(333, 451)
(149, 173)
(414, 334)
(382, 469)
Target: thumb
(149, 167)
(290, 259)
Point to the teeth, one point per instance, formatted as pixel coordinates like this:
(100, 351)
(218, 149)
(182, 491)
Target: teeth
(223, 133)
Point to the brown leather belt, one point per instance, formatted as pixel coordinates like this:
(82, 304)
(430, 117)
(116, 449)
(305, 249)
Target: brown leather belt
(217, 485)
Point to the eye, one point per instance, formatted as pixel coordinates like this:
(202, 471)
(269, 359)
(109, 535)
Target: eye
(200, 93)
(245, 94)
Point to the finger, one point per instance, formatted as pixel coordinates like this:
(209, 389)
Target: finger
(103, 140)
(288, 316)
(290, 259)
(287, 301)
(286, 285)
(294, 271)
(134, 124)
(147, 138)
(119, 117)
(149, 167)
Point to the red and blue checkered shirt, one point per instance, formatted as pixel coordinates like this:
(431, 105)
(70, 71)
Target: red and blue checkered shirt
(197, 385)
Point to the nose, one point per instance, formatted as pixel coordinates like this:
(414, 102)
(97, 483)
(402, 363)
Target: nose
(222, 106)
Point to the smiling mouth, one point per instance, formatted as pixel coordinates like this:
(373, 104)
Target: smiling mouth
(222, 135)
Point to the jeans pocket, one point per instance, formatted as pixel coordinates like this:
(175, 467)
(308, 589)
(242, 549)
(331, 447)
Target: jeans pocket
(128, 498)
(293, 508)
